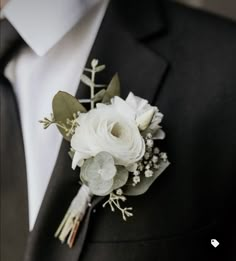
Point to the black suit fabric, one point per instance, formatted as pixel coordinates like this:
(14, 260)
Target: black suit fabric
(183, 61)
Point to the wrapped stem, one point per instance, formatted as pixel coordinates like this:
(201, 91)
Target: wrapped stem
(70, 224)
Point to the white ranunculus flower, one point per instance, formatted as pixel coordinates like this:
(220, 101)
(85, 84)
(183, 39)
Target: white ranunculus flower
(109, 128)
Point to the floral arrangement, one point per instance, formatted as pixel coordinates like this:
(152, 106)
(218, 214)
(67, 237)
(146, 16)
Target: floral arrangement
(113, 144)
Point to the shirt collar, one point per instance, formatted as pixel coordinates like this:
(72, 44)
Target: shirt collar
(44, 23)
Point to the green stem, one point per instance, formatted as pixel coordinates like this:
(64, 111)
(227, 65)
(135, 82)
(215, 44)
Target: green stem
(92, 88)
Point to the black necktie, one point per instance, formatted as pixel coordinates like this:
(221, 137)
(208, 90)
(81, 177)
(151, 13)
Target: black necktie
(14, 205)
(10, 41)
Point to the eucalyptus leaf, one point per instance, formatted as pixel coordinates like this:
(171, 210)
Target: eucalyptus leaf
(64, 106)
(89, 176)
(113, 89)
(106, 98)
(100, 187)
(120, 178)
(85, 79)
(84, 170)
(98, 172)
(99, 95)
(94, 63)
(145, 183)
(100, 68)
(89, 169)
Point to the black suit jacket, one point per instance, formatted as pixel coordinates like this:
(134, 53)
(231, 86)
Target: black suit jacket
(183, 61)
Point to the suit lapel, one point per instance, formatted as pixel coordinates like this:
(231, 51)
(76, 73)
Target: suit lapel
(118, 46)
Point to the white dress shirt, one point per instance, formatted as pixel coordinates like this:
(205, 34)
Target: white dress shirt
(60, 35)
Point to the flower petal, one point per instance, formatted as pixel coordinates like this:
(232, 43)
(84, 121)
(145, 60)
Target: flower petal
(78, 159)
(123, 108)
(145, 119)
(132, 167)
(159, 135)
(137, 103)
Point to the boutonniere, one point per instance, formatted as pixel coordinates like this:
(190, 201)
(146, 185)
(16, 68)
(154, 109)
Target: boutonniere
(114, 144)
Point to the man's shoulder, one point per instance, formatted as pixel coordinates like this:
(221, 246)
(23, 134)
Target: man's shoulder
(199, 38)
(200, 26)
(201, 50)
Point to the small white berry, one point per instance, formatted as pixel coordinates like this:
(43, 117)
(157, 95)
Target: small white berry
(164, 156)
(136, 172)
(119, 192)
(147, 155)
(150, 143)
(148, 173)
(156, 166)
(149, 135)
(154, 159)
(141, 167)
(136, 179)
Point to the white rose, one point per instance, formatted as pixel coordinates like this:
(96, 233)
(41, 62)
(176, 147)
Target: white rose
(110, 128)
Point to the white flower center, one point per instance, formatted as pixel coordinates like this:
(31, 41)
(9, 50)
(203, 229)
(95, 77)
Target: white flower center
(116, 130)
(100, 172)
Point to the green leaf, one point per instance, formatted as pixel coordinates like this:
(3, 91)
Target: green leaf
(120, 178)
(100, 68)
(64, 106)
(84, 169)
(99, 95)
(94, 63)
(145, 183)
(113, 89)
(100, 187)
(85, 79)
(89, 173)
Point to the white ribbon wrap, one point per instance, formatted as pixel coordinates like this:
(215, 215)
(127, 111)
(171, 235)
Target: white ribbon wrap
(81, 201)
(74, 215)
